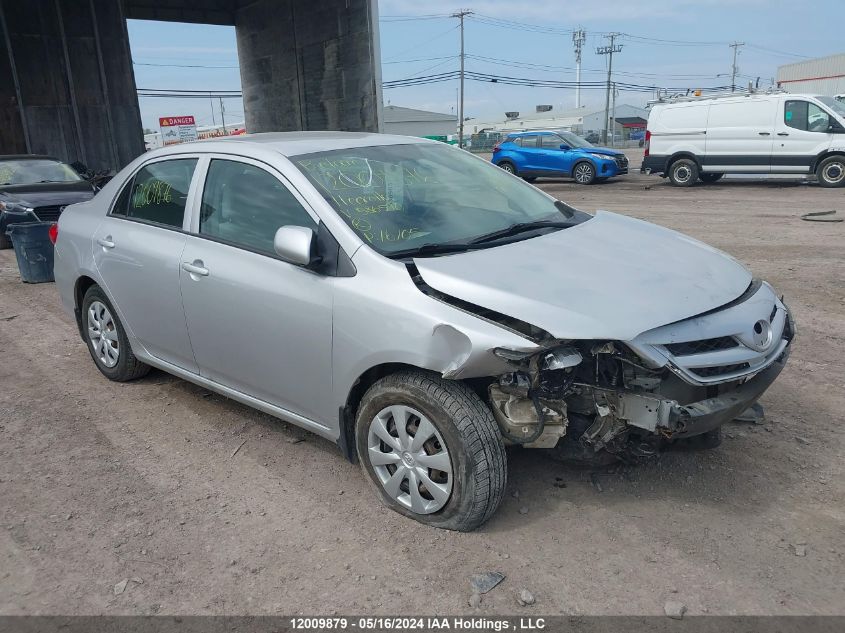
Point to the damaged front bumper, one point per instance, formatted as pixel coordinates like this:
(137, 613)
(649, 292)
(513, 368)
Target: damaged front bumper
(666, 417)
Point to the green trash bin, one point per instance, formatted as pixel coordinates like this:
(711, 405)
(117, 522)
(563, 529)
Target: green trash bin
(33, 250)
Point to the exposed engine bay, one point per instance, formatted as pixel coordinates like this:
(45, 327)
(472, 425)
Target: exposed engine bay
(587, 399)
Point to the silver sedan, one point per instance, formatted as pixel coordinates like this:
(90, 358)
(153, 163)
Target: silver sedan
(417, 306)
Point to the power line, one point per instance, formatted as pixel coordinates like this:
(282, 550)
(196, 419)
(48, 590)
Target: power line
(423, 43)
(134, 63)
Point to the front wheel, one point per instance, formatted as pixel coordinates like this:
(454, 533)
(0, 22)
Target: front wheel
(584, 173)
(432, 450)
(683, 172)
(710, 177)
(831, 172)
(107, 340)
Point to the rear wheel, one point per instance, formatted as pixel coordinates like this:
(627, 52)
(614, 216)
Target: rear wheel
(529, 178)
(107, 340)
(432, 450)
(831, 171)
(508, 166)
(584, 173)
(683, 172)
(709, 177)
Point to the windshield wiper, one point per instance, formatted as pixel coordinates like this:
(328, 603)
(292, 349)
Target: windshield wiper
(429, 248)
(520, 227)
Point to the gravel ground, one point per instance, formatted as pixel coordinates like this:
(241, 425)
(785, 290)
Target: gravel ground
(103, 482)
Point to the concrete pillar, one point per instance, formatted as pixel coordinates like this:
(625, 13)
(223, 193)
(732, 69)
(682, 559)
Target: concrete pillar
(66, 83)
(310, 66)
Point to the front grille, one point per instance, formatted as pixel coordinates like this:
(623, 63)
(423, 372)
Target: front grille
(621, 161)
(48, 214)
(719, 370)
(702, 346)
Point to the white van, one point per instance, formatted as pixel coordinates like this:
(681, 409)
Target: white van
(703, 138)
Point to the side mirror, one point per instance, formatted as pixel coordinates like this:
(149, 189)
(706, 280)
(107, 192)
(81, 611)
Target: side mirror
(835, 128)
(564, 146)
(295, 244)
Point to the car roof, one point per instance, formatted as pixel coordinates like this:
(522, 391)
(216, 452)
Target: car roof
(298, 143)
(533, 133)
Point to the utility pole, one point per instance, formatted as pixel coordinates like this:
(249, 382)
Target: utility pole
(579, 37)
(734, 69)
(223, 115)
(608, 50)
(461, 15)
(613, 117)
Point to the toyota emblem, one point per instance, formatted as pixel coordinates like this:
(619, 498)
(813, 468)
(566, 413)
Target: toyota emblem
(761, 335)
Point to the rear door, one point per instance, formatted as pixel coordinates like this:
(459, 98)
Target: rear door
(740, 134)
(257, 324)
(530, 153)
(801, 135)
(138, 251)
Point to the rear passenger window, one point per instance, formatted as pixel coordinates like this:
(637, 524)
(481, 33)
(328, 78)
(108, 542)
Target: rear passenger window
(245, 206)
(122, 202)
(160, 192)
(516, 140)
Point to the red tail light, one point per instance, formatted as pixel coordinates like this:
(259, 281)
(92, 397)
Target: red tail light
(496, 146)
(647, 142)
(53, 232)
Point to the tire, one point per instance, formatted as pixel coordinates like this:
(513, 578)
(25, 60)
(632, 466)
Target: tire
(529, 178)
(683, 172)
(460, 432)
(709, 177)
(508, 167)
(98, 315)
(5, 242)
(584, 173)
(831, 171)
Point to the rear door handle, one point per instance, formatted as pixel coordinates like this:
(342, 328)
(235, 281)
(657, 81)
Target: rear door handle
(106, 242)
(195, 268)
(763, 133)
(783, 133)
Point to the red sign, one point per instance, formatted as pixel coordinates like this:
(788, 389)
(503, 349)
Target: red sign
(171, 121)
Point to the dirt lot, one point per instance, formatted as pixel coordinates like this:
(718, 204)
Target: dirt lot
(101, 482)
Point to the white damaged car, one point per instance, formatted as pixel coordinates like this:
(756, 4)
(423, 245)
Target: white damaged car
(416, 305)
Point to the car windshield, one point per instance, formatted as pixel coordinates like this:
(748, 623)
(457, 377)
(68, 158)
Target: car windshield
(28, 171)
(837, 106)
(573, 140)
(399, 198)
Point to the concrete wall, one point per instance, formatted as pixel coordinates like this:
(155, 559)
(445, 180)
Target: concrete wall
(310, 66)
(66, 82)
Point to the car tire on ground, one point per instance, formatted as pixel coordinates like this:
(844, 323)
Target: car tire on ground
(107, 340)
(831, 171)
(529, 178)
(432, 449)
(709, 177)
(584, 173)
(508, 166)
(683, 172)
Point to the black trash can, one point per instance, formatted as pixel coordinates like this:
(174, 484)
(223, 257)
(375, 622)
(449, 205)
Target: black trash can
(33, 250)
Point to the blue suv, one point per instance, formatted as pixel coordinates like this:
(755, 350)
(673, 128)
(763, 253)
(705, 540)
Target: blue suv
(533, 154)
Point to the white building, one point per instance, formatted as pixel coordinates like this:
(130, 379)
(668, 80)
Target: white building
(582, 121)
(821, 76)
(411, 122)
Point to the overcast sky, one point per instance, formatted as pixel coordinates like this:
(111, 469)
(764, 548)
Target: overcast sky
(697, 54)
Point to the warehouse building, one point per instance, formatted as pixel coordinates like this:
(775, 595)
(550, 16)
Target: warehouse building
(822, 76)
(411, 122)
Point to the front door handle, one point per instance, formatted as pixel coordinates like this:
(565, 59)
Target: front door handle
(783, 133)
(106, 242)
(195, 268)
(763, 133)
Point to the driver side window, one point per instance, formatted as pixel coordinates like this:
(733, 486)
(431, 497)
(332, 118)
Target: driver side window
(803, 115)
(244, 205)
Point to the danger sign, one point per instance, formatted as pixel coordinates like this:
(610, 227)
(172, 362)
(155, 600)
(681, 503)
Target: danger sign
(177, 129)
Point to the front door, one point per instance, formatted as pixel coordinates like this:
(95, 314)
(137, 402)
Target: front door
(138, 252)
(257, 324)
(801, 135)
(552, 159)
